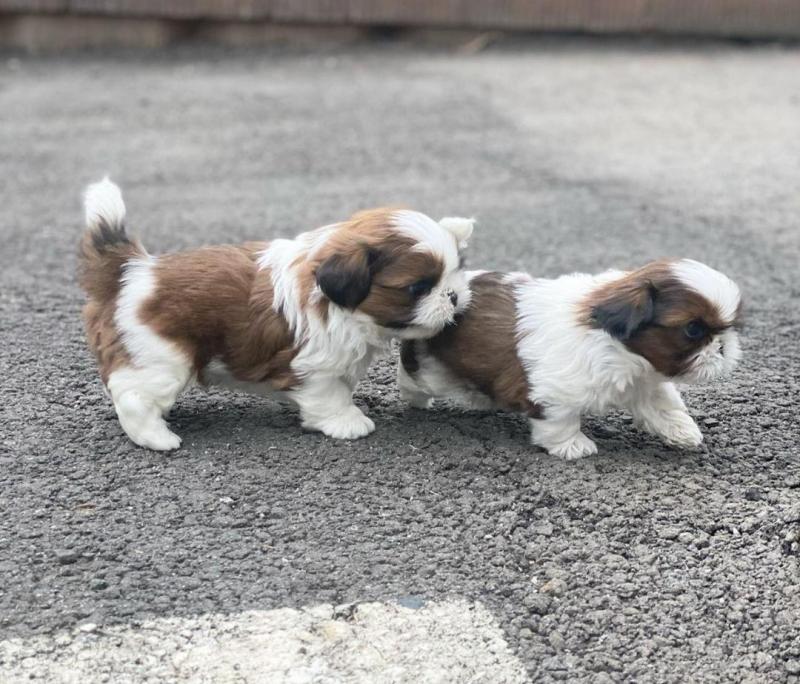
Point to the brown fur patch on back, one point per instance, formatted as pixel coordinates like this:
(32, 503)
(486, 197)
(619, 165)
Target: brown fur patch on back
(482, 347)
(216, 303)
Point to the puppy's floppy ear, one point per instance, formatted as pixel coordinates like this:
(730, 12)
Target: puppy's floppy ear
(624, 309)
(461, 228)
(346, 278)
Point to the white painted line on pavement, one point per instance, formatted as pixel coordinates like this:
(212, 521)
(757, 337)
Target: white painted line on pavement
(449, 641)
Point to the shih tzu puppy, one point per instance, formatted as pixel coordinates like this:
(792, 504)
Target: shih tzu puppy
(556, 349)
(302, 318)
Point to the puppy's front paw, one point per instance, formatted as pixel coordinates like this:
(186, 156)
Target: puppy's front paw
(418, 400)
(679, 429)
(349, 424)
(572, 449)
(157, 437)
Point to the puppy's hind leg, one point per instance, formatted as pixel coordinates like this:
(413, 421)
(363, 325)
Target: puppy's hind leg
(142, 396)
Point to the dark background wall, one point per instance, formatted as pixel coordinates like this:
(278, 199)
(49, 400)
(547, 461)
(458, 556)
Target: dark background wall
(745, 19)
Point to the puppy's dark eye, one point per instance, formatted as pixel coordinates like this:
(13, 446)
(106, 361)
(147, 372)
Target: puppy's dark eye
(420, 288)
(695, 330)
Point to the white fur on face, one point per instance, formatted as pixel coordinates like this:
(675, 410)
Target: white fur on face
(713, 285)
(716, 360)
(444, 240)
(722, 353)
(436, 310)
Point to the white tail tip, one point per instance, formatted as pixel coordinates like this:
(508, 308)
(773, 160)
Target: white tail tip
(103, 202)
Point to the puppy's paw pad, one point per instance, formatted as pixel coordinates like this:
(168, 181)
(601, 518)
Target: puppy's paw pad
(350, 424)
(575, 448)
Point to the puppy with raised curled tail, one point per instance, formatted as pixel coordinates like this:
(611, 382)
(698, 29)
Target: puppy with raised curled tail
(557, 349)
(299, 318)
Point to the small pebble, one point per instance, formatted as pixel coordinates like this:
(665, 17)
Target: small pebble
(538, 604)
(793, 666)
(88, 627)
(66, 556)
(753, 494)
(554, 586)
(792, 515)
(710, 422)
(602, 678)
(556, 641)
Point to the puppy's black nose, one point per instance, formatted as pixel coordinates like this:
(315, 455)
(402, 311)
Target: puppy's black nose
(453, 297)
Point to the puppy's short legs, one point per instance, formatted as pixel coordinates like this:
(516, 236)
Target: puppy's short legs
(560, 433)
(661, 412)
(410, 391)
(142, 396)
(326, 404)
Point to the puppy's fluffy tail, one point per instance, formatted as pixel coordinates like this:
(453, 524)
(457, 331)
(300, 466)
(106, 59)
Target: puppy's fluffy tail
(105, 247)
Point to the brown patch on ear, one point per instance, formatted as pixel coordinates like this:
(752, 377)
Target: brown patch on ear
(625, 310)
(482, 347)
(624, 306)
(346, 277)
(344, 265)
(390, 302)
(367, 265)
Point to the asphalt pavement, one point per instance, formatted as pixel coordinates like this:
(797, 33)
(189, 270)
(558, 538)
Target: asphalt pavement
(643, 563)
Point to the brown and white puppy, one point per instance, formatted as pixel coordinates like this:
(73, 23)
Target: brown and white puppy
(302, 318)
(555, 349)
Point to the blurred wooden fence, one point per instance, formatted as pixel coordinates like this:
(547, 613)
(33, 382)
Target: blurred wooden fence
(735, 18)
